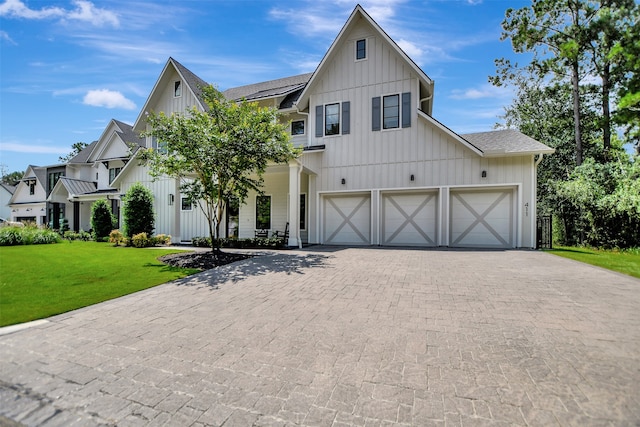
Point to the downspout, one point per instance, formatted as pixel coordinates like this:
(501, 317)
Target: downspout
(534, 202)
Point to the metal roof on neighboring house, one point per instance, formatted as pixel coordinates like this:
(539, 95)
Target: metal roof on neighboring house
(507, 141)
(269, 88)
(77, 186)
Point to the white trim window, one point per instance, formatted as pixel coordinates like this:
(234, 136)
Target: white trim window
(361, 49)
(391, 111)
(333, 119)
(185, 204)
(177, 89)
(297, 127)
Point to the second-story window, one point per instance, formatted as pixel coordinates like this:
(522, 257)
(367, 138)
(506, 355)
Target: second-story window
(113, 172)
(361, 49)
(391, 111)
(177, 89)
(297, 127)
(332, 119)
(32, 188)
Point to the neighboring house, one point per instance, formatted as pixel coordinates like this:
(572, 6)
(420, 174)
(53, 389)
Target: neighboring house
(6, 191)
(89, 175)
(376, 167)
(28, 202)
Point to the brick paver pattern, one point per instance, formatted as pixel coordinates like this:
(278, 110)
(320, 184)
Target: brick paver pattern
(342, 337)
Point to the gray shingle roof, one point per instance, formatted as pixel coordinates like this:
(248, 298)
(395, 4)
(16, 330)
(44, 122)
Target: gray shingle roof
(194, 82)
(128, 135)
(10, 188)
(77, 186)
(269, 88)
(83, 155)
(506, 141)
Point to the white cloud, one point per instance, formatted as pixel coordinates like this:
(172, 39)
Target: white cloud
(87, 12)
(26, 148)
(108, 98)
(84, 11)
(484, 91)
(17, 9)
(411, 49)
(5, 36)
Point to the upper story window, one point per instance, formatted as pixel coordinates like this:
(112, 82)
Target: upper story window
(32, 188)
(332, 119)
(113, 172)
(391, 112)
(297, 127)
(177, 89)
(53, 179)
(361, 49)
(161, 146)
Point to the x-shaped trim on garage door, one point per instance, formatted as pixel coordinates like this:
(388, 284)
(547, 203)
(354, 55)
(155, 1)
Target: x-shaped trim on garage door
(347, 220)
(409, 219)
(480, 219)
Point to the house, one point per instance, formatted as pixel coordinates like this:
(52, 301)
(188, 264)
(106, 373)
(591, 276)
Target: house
(6, 191)
(376, 169)
(89, 175)
(28, 202)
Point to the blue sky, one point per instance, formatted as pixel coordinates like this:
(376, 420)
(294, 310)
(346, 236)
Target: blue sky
(68, 67)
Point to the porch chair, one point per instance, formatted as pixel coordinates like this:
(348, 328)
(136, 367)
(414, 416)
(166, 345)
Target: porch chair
(284, 235)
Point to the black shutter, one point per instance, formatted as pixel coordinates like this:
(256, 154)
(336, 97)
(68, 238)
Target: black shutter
(375, 113)
(406, 110)
(346, 117)
(319, 121)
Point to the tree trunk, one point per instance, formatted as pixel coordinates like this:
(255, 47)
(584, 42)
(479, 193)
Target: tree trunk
(576, 111)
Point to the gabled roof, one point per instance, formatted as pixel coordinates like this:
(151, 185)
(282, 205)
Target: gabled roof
(192, 82)
(10, 188)
(76, 186)
(359, 12)
(506, 142)
(128, 135)
(84, 154)
(268, 89)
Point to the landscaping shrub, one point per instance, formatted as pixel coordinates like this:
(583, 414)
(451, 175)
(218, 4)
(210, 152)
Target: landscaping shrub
(81, 235)
(251, 243)
(101, 220)
(11, 236)
(138, 211)
(116, 237)
(161, 240)
(140, 240)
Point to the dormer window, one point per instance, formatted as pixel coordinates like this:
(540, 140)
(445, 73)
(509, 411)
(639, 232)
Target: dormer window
(361, 49)
(177, 89)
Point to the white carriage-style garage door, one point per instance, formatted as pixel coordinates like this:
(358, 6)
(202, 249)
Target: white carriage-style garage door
(482, 218)
(409, 219)
(347, 219)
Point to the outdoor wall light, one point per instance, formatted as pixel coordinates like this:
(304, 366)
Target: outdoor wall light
(344, 181)
(484, 174)
(413, 178)
(171, 199)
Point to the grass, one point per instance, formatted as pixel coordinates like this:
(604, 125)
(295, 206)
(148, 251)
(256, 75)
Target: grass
(625, 262)
(38, 281)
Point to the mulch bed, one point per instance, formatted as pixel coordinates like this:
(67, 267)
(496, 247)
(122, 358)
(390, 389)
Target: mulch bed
(202, 260)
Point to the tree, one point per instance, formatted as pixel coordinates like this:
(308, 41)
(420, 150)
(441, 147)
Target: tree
(218, 154)
(138, 211)
(76, 148)
(101, 219)
(555, 32)
(12, 178)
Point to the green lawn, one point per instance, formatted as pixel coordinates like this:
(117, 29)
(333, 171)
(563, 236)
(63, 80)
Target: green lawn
(626, 262)
(38, 281)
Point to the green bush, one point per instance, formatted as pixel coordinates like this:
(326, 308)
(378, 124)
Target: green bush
(140, 240)
(101, 220)
(251, 243)
(116, 237)
(161, 240)
(81, 235)
(138, 211)
(12, 236)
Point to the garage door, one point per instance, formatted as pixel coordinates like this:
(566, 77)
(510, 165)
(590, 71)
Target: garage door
(347, 219)
(482, 219)
(409, 219)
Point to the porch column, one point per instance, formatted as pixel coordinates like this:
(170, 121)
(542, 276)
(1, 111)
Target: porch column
(295, 169)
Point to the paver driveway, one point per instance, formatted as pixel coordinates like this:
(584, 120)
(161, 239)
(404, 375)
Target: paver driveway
(342, 337)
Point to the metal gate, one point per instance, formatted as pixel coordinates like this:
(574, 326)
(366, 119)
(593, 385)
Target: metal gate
(544, 232)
